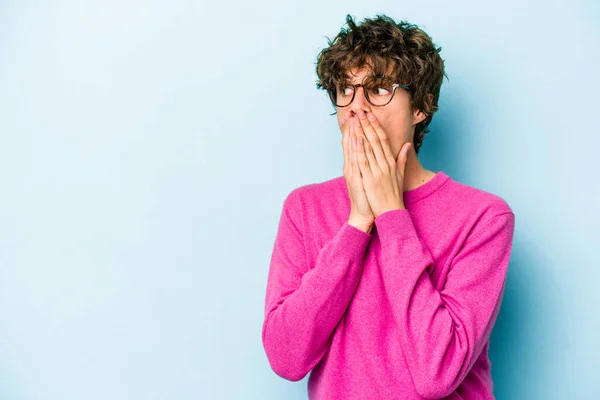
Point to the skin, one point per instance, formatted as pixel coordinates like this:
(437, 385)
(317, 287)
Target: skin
(379, 159)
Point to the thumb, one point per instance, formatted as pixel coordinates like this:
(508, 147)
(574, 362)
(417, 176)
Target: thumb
(402, 156)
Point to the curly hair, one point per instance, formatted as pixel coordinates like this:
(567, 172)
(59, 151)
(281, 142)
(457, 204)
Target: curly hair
(381, 44)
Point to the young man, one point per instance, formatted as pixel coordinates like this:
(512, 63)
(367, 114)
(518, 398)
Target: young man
(386, 282)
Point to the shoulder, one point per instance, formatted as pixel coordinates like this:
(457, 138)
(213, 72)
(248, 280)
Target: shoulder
(319, 207)
(477, 202)
(328, 191)
(479, 211)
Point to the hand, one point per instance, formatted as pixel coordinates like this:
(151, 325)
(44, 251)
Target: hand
(382, 175)
(361, 215)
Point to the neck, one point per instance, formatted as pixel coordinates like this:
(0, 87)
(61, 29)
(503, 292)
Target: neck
(414, 173)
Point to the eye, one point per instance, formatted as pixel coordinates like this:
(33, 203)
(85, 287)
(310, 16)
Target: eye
(347, 91)
(380, 91)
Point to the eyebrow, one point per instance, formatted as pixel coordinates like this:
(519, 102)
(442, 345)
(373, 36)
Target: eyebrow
(386, 79)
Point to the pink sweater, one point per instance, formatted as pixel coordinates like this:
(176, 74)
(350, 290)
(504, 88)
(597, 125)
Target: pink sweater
(404, 312)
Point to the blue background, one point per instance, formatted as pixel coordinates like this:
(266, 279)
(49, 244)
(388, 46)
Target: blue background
(146, 148)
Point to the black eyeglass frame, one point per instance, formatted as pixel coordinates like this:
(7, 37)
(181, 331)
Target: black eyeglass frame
(394, 87)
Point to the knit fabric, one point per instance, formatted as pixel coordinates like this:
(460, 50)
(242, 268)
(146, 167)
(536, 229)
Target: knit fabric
(402, 312)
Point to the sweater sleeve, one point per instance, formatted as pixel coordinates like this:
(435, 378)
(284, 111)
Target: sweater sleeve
(443, 332)
(304, 303)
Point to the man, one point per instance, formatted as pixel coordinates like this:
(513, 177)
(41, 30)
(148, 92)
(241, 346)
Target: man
(386, 282)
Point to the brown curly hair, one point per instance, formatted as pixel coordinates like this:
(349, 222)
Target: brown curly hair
(382, 44)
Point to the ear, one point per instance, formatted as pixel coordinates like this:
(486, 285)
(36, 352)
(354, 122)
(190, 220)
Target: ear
(418, 116)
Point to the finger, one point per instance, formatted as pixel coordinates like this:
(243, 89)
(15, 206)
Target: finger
(350, 149)
(373, 165)
(343, 122)
(383, 138)
(366, 148)
(353, 153)
(361, 158)
(356, 165)
(346, 147)
(403, 157)
(373, 146)
(346, 133)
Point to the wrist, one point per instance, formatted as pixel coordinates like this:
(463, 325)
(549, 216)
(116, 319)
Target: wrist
(364, 226)
(401, 207)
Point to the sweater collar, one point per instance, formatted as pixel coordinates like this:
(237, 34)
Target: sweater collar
(426, 189)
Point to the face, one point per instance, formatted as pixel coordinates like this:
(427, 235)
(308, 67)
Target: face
(396, 118)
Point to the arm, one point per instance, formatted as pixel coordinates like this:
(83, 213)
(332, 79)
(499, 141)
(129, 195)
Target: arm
(303, 305)
(443, 332)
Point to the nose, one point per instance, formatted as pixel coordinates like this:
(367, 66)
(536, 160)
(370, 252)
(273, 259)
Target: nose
(359, 103)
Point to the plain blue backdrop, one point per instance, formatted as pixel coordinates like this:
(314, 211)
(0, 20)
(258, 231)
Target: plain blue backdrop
(146, 148)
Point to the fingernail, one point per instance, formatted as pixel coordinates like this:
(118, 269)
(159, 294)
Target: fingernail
(371, 116)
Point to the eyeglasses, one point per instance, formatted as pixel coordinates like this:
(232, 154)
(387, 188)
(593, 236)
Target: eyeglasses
(377, 95)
